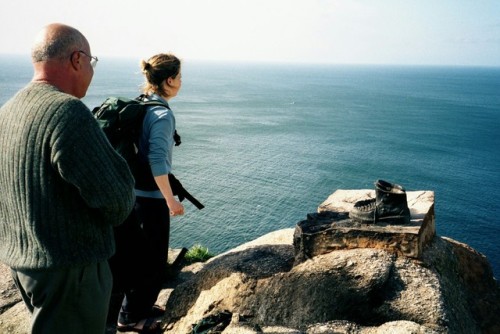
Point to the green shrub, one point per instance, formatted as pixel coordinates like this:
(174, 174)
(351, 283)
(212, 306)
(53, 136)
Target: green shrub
(198, 253)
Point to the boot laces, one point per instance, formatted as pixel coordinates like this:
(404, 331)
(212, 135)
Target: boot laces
(365, 205)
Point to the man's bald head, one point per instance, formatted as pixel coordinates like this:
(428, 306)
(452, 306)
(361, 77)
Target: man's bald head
(57, 41)
(61, 57)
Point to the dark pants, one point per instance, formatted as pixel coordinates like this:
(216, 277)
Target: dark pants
(69, 300)
(154, 215)
(141, 257)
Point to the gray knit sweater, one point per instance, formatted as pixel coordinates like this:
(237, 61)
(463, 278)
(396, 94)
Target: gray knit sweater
(62, 186)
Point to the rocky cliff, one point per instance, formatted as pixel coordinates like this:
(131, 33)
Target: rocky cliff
(259, 287)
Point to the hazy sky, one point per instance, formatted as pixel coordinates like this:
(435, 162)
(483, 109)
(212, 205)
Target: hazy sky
(435, 32)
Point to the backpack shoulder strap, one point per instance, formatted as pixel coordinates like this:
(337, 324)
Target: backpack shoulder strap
(141, 98)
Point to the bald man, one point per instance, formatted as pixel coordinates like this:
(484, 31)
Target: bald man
(63, 188)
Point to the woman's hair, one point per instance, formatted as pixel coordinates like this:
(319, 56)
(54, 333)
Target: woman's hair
(158, 68)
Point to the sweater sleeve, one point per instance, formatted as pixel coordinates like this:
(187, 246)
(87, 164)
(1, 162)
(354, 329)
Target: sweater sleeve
(161, 142)
(84, 158)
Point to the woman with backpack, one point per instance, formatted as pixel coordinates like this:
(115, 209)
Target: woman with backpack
(155, 201)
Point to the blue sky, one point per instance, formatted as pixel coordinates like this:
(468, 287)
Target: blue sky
(420, 32)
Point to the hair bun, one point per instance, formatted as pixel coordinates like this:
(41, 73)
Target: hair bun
(145, 66)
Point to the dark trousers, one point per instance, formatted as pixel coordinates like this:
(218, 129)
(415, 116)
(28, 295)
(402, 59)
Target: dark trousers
(67, 300)
(140, 260)
(154, 215)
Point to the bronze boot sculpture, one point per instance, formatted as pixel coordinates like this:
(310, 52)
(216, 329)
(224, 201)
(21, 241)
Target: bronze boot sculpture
(389, 206)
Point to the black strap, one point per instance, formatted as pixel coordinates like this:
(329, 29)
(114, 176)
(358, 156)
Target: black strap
(181, 192)
(142, 98)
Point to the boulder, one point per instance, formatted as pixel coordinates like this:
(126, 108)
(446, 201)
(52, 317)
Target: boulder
(346, 291)
(343, 278)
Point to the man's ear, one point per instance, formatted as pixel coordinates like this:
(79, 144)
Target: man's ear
(76, 60)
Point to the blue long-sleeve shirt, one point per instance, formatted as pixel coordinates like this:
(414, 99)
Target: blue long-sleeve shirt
(157, 141)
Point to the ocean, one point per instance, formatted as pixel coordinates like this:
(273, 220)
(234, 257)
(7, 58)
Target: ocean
(264, 144)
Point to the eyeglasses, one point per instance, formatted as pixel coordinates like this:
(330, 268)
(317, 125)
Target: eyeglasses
(93, 59)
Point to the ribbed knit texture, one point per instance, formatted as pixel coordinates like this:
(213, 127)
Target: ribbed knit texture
(62, 186)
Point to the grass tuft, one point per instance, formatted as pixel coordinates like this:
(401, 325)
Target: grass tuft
(198, 253)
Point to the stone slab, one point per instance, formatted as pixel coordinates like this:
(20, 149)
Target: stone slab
(331, 229)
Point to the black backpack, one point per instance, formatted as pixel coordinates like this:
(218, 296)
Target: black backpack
(121, 120)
